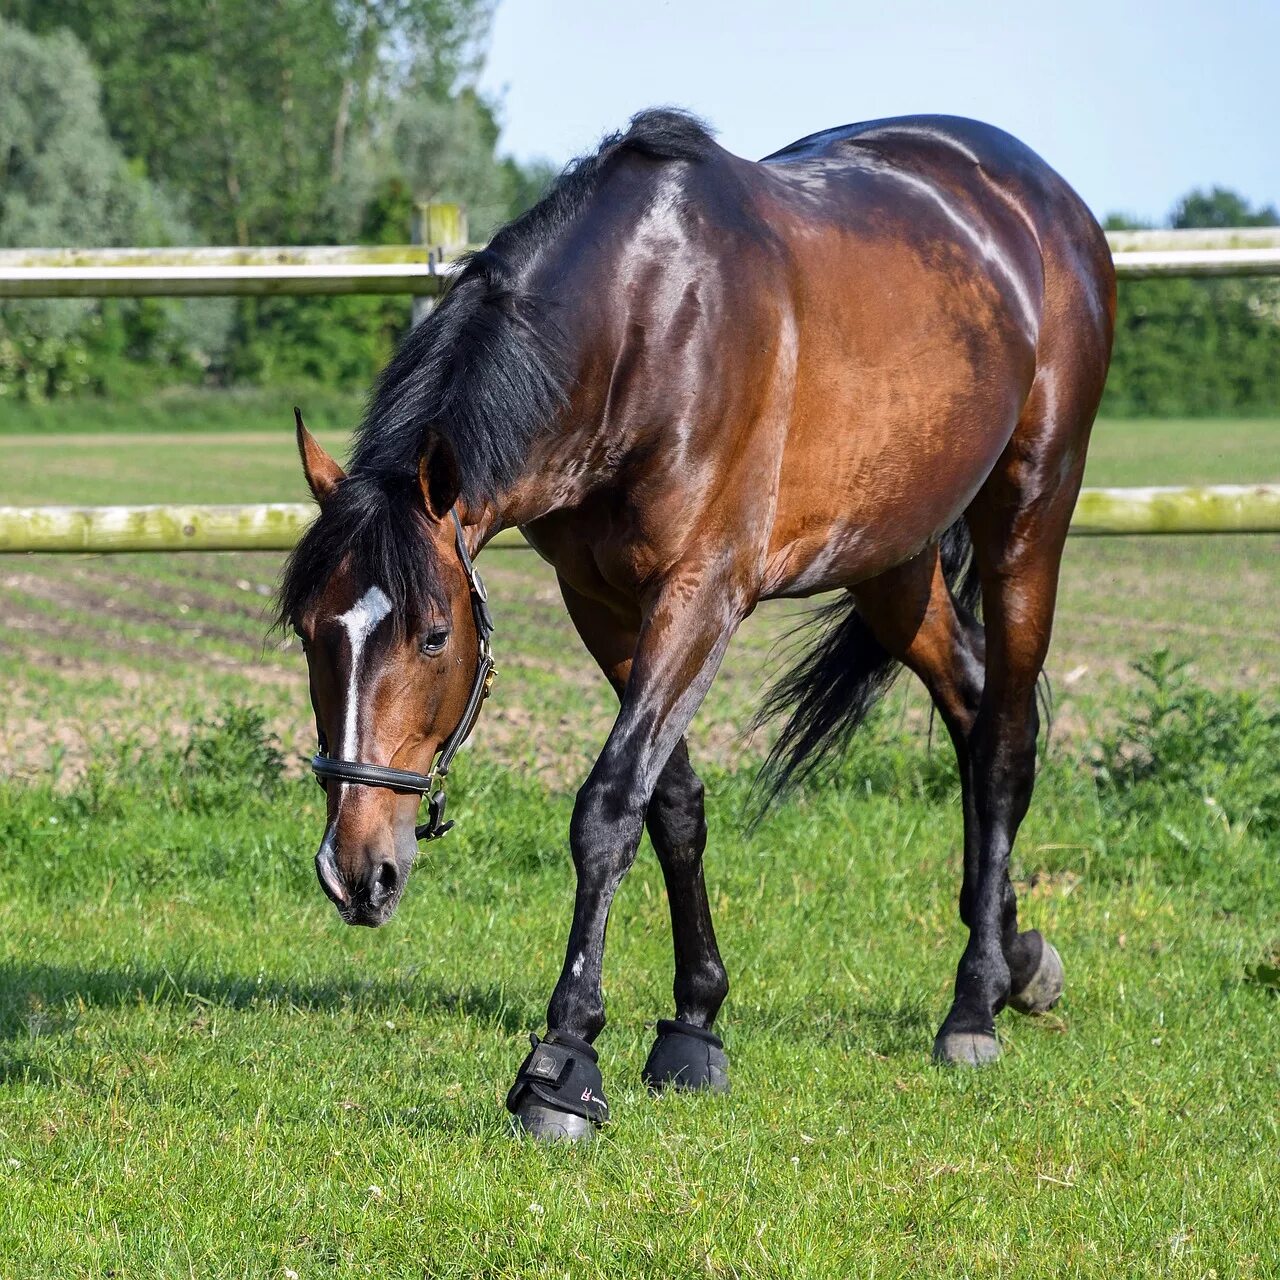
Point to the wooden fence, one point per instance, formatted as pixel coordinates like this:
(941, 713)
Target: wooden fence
(276, 526)
(424, 269)
(421, 270)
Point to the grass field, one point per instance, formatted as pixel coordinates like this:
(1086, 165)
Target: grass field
(205, 1074)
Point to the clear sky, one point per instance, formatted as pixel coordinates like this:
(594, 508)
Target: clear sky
(1134, 103)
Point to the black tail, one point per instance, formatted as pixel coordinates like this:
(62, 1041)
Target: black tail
(829, 692)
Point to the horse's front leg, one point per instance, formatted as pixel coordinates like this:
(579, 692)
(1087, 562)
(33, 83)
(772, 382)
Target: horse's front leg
(685, 631)
(687, 1053)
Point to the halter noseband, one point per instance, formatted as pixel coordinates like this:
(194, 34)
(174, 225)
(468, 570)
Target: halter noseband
(430, 785)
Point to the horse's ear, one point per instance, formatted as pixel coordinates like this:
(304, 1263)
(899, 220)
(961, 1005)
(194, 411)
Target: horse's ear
(439, 475)
(322, 472)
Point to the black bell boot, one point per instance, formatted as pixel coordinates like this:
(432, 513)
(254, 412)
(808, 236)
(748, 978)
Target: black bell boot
(686, 1057)
(558, 1093)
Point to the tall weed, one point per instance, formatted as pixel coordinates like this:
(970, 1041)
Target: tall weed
(1178, 741)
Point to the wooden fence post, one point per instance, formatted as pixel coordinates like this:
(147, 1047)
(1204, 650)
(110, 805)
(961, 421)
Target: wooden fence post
(442, 229)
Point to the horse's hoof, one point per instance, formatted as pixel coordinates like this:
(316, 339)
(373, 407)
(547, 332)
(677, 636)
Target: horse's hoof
(546, 1124)
(965, 1049)
(558, 1094)
(686, 1058)
(1044, 989)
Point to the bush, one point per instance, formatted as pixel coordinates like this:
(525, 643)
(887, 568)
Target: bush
(1179, 742)
(230, 760)
(1191, 347)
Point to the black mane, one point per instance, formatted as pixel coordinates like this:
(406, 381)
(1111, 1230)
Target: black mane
(486, 368)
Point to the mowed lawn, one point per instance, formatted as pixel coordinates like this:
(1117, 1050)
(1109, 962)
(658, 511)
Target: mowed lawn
(205, 1074)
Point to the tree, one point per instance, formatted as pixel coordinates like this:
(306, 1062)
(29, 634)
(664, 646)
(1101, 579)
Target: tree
(251, 111)
(63, 180)
(1220, 207)
(1188, 347)
(527, 184)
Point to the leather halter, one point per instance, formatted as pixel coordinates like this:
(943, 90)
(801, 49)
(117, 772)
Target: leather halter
(430, 785)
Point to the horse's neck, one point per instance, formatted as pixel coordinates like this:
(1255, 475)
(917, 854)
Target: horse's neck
(580, 453)
(572, 458)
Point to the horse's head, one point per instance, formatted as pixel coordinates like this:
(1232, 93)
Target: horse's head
(392, 621)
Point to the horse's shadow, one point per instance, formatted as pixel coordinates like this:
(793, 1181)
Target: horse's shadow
(888, 1029)
(39, 999)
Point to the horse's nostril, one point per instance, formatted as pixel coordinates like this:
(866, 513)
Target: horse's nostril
(383, 881)
(330, 880)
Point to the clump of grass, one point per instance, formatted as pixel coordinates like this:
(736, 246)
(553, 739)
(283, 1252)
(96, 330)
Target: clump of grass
(1181, 783)
(151, 814)
(230, 759)
(228, 754)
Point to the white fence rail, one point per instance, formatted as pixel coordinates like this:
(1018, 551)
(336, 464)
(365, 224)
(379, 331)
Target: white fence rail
(191, 273)
(416, 270)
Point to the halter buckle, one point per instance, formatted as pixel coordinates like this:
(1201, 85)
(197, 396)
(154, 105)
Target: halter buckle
(435, 826)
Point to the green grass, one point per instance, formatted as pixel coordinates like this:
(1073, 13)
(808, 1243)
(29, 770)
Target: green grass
(183, 409)
(1183, 451)
(104, 451)
(205, 1074)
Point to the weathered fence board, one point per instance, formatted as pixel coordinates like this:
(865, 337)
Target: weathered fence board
(213, 279)
(421, 271)
(276, 526)
(1143, 264)
(1195, 238)
(1219, 508)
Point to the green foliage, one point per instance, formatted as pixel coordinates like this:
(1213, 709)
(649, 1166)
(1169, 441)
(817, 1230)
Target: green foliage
(1197, 347)
(63, 181)
(1179, 746)
(229, 759)
(335, 342)
(310, 121)
(263, 116)
(1220, 207)
(230, 762)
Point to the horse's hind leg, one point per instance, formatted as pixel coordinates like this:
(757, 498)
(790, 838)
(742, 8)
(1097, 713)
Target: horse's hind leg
(1019, 525)
(912, 612)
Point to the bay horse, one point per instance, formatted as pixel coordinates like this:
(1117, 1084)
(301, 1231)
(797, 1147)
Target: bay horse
(868, 363)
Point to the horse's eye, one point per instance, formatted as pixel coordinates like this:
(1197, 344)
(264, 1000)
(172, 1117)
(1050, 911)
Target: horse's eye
(434, 642)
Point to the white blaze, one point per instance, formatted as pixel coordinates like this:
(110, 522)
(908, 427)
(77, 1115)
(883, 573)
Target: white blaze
(359, 622)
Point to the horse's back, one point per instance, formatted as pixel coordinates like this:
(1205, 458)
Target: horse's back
(950, 147)
(965, 160)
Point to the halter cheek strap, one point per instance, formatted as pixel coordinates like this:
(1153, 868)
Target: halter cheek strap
(431, 785)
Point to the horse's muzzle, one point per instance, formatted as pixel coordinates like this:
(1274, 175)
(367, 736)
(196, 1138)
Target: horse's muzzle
(372, 899)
